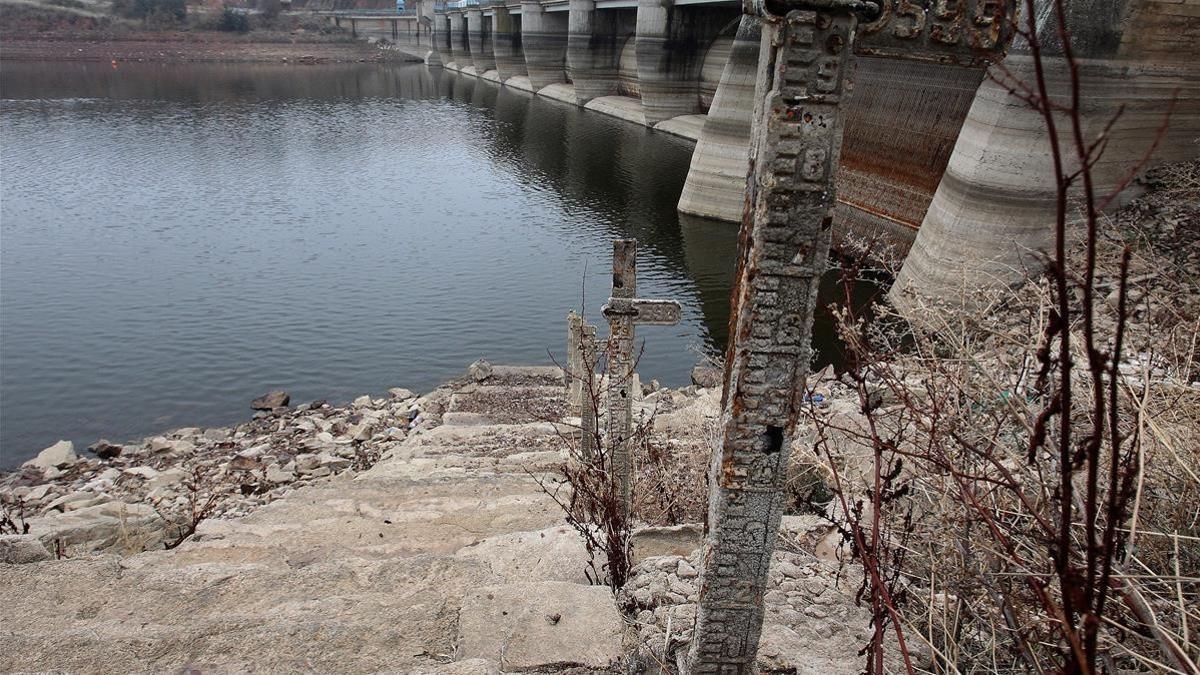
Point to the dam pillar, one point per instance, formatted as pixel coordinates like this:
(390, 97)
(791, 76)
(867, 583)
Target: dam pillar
(994, 210)
(889, 168)
(456, 39)
(544, 41)
(716, 181)
(479, 32)
(594, 41)
(443, 37)
(671, 41)
(506, 43)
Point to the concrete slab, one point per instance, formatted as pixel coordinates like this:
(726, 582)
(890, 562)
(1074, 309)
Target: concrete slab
(492, 76)
(540, 626)
(687, 126)
(520, 82)
(559, 92)
(623, 107)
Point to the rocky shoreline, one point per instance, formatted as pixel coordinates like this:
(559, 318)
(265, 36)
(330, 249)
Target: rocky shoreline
(129, 497)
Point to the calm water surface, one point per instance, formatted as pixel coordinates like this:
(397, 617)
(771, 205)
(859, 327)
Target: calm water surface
(178, 239)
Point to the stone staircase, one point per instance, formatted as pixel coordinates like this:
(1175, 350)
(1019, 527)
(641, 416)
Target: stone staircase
(445, 557)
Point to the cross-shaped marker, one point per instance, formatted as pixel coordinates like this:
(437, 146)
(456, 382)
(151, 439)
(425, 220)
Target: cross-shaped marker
(624, 311)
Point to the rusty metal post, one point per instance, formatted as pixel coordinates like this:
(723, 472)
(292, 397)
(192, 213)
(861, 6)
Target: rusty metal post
(620, 314)
(624, 311)
(804, 72)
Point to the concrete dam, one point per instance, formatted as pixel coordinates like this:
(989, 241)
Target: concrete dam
(937, 157)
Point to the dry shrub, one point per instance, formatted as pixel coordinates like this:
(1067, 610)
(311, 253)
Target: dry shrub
(1037, 477)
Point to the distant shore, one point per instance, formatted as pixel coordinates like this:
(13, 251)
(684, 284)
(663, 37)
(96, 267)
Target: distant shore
(188, 46)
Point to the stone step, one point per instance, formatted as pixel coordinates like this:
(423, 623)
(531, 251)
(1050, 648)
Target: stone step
(514, 404)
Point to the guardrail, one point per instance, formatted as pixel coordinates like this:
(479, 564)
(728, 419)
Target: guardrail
(367, 13)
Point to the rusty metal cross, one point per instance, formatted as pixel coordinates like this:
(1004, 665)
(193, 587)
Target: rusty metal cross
(624, 311)
(805, 69)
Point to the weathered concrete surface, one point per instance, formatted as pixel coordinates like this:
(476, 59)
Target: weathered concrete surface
(994, 209)
(672, 41)
(594, 44)
(507, 45)
(347, 575)
(479, 31)
(539, 625)
(716, 180)
(544, 38)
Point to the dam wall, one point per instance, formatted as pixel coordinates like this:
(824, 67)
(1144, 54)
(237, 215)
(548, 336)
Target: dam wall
(993, 214)
(937, 155)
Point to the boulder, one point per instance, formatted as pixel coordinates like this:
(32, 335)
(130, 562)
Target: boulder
(277, 474)
(541, 626)
(674, 540)
(216, 434)
(143, 472)
(105, 449)
(82, 499)
(708, 377)
(58, 456)
(401, 394)
(20, 549)
(271, 400)
(167, 478)
(112, 524)
(480, 370)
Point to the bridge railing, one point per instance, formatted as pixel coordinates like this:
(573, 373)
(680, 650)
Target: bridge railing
(367, 13)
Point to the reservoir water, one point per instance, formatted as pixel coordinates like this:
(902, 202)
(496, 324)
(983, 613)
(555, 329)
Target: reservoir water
(178, 239)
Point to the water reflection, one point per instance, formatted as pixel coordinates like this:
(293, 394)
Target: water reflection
(177, 239)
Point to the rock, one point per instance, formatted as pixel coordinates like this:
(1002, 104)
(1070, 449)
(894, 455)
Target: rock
(480, 370)
(553, 554)
(677, 540)
(63, 502)
(305, 463)
(333, 462)
(243, 463)
(167, 478)
(360, 432)
(216, 434)
(130, 526)
(707, 377)
(686, 571)
(38, 492)
(105, 449)
(58, 456)
(271, 400)
(21, 549)
(401, 394)
(162, 445)
(276, 474)
(507, 624)
(363, 401)
(144, 472)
